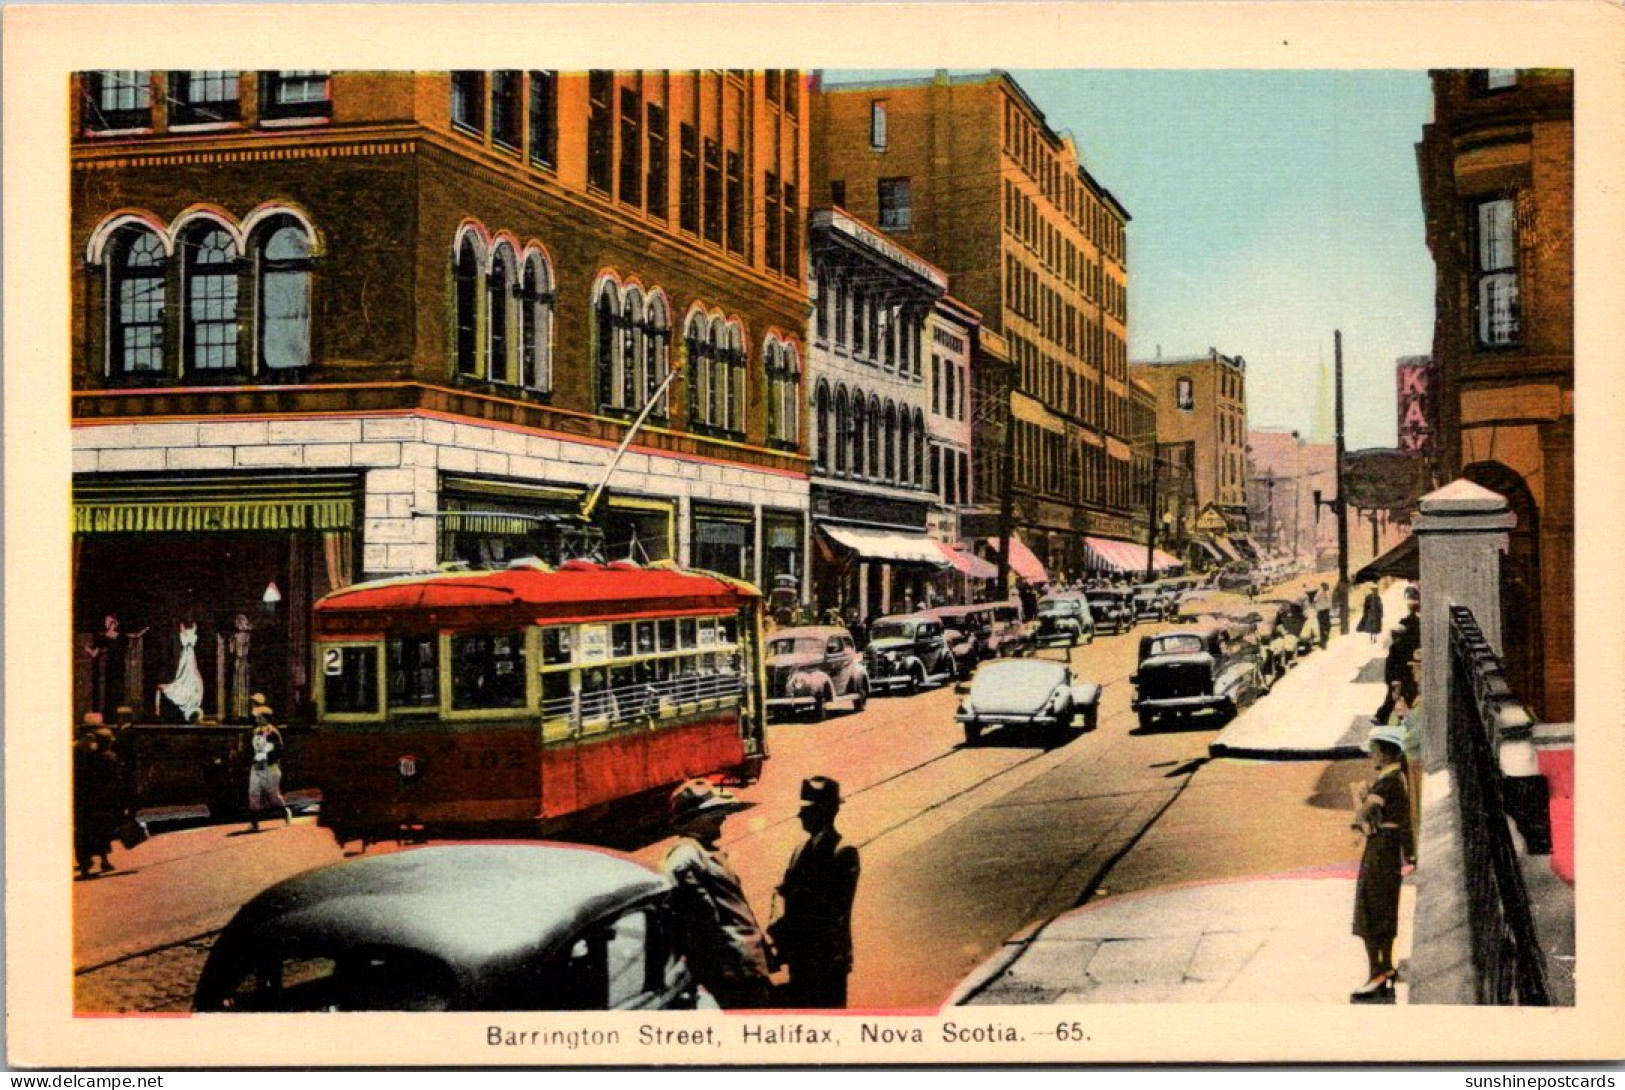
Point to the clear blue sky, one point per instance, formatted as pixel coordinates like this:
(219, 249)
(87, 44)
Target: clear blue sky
(1269, 208)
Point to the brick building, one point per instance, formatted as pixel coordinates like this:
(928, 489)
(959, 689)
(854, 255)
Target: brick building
(1497, 180)
(1203, 400)
(334, 325)
(966, 171)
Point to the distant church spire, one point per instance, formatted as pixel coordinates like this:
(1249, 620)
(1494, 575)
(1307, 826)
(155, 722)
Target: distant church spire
(1323, 429)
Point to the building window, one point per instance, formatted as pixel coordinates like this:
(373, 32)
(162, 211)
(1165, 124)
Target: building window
(506, 88)
(600, 129)
(887, 470)
(1497, 79)
(896, 204)
(136, 302)
(792, 233)
(843, 430)
(117, 100)
(821, 305)
(656, 356)
(203, 97)
(468, 100)
(713, 192)
(771, 241)
(837, 194)
(658, 204)
(283, 266)
(466, 269)
(210, 299)
(544, 118)
(860, 322)
(905, 451)
(500, 299)
(792, 92)
(536, 325)
(861, 437)
(688, 179)
(736, 203)
(821, 423)
(840, 292)
(606, 343)
(294, 94)
(629, 386)
(877, 125)
(736, 385)
(784, 394)
(771, 78)
(1184, 396)
(1496, 270)
(631, 146)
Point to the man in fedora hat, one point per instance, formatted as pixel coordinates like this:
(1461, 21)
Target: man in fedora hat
(813, 937)
(725, 947)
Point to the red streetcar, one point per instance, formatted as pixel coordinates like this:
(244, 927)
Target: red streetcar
(523, 697)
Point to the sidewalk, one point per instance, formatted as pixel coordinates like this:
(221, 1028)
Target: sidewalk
(1322, 709)
(1278, 939)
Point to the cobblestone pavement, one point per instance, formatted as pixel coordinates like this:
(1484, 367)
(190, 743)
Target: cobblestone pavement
(160, 981)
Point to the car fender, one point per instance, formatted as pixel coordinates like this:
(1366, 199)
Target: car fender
(817, 680)
(1085, 694)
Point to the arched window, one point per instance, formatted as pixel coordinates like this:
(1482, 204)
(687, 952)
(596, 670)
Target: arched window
(792, 396)
(905, 450)
(135, 303)
(919, 449)
(860, 307)
(821, 306)
(656, 353)
(841, 299)
(466, 267)
(861, 438)
(630, 385)
(536, 325)
(889, 439)
(875, 432)
(843, 429)
(500, 297)
(606, 314)
(821, 425)
(699, 370)
(735, 421)
(210, 299)
(775, 405)
(716, 414)
(888, 325)
(282, 258)
(783, 393)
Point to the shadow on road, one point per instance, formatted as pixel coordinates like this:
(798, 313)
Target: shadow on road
(1332, 788)
(1181, 724)
(1019, 737)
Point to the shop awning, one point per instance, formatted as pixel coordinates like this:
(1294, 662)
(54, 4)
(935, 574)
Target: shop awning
(1248, 548)
(1022, 560)
(204, 504)
(1166, 562)
(1212, 552)
(968, 563)
(1228, 550)
(887, 546)
(1110, 555)
(1403, 561)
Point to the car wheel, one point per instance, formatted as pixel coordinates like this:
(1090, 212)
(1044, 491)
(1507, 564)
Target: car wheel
(973, 733)
(916, 680)
(820, 708)
(1091, 718)
(861, 700)
(1148, 719)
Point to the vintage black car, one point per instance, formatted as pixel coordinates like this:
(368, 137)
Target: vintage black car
(808, 669)
(907, 651)
(1207, 667)
(1113, 610)
(969, 632)
(1037, 692)
(1011, 636)
(464, 927)
(1280, 635)
(1150, 602)
(1064, 620)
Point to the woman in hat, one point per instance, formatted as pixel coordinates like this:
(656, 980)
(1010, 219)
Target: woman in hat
(1371, 614)
(724, 945)
(265, 767)
(1383, 815)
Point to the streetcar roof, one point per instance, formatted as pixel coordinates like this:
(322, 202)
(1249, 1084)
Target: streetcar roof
(469, 905)
(520, 596)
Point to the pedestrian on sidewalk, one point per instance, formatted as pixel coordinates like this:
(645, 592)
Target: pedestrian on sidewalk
(1323, 614)
(265, 767)
(717, 931)
(1404, 642)
(98, 797)
(1371, 614)
(1383, 816)
(813, 938)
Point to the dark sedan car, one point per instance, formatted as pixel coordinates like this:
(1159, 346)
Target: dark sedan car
(969, 632)
(1113, 610)
(471, 927)
(1211, 667)
(809, 669)
(907, 652)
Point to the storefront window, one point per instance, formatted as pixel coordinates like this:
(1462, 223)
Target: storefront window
(723, 545)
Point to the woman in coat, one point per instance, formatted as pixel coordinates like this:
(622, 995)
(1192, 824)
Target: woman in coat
(1383, 815)
(1371, 614)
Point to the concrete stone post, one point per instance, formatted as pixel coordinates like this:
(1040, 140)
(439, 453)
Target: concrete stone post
(1461, 535)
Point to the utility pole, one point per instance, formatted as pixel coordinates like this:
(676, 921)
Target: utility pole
(1151, 537)
(1342, 507)
(1007, 497)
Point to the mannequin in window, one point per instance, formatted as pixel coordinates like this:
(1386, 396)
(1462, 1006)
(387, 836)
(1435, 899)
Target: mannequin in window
(237, 647)
(185, 692)
(111, 651)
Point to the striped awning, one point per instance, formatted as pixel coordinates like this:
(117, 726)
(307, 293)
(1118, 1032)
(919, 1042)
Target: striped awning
(212, 504)
(968, 563)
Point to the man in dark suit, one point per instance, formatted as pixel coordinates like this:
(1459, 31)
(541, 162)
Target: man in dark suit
(813, 937)
(1405, 642)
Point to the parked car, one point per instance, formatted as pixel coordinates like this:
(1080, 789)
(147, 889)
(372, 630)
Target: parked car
(908, 652)
(1036, 692)
(1113, 610)
(1149, 602)
(808, 669)
(969, 632)
(1207, 667)
(1011, 638)
(1064, 619)
(470, 927)
(1280, 634)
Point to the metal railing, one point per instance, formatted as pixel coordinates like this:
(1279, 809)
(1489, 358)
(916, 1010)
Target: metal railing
(1506, 954)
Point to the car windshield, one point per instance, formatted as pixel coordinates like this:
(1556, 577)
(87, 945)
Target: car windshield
(1060, 607)
(796, 645)
(892, 630)
(1179, 643)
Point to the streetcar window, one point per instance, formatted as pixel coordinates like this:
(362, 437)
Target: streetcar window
(668, 635)
(556, 699)
(727, 630)
(350, 679)
(487, 671)
(556, 646)
(686, 633)
(708, 632)
(621, 641)
(594, 695)
(414, 672)
(646, 637)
